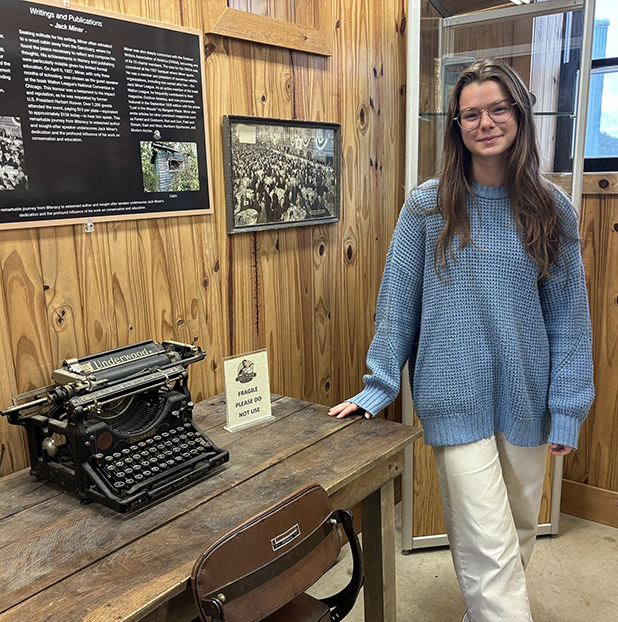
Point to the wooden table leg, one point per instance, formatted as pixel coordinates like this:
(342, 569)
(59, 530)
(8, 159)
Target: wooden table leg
(378, 516)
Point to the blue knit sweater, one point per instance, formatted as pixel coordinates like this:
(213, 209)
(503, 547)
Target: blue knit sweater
(491, 349)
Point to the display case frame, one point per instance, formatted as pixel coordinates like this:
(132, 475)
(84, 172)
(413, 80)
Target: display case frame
(411, 541)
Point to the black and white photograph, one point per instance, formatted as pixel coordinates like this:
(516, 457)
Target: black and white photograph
(12, 161)
(281, 173)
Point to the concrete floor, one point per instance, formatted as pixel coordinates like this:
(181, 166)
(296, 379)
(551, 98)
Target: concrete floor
(571, 578)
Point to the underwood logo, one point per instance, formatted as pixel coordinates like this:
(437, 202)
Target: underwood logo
(285, 538)
(112, 361)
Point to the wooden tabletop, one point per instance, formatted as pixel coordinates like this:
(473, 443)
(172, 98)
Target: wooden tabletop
(63, 561)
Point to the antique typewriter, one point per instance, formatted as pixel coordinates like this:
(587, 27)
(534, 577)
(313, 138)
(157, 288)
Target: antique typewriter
(117, 427)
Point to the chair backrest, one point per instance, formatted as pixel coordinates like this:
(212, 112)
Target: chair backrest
(265, 563)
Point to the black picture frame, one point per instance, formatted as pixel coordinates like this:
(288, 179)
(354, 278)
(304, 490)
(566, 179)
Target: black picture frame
(280, 173)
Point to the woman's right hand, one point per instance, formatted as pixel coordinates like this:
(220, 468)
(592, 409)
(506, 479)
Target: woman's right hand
(344, 409)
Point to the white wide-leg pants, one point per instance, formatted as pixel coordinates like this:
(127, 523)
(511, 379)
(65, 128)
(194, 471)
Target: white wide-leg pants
(491, 495)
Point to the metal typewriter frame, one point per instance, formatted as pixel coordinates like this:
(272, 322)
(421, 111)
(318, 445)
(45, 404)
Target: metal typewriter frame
(73, 410)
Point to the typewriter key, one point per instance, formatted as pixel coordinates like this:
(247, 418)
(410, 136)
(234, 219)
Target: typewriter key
(168, 444)
(187, 425)
(137, 468)
(191, 443)
(144, 454)
(128, 460)
(141, 445)
(125, 451)
(157, 438)
(183, 437)
(184, 446)
(108, 459)
(98, 457)
(116, 455)
(165, 435)
(155, 470)
(149, 441)
(186, 455)
(121, 474)
(110, 468)
(171, 463)
(119, 485)
(193, 452)
(146, 473)
(129, 481)
(133, 448)
(139, 477)
(153, 450)
(178, 458)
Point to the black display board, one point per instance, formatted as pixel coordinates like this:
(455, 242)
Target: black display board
(101, 117)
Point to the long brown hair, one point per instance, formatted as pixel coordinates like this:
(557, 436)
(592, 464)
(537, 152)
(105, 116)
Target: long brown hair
(533, 206)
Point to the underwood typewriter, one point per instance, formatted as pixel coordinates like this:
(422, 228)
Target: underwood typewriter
(117, 427)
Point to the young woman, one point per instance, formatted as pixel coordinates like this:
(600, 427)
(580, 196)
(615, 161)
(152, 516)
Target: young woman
(484, 294)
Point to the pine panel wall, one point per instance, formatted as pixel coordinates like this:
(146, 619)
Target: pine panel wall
(307, 294)
(590, 485)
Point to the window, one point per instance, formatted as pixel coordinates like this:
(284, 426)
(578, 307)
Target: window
(602, 128)
(601, 153)
(174, 164)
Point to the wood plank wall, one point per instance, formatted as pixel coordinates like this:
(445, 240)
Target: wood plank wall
(307, 294)
(590, 486)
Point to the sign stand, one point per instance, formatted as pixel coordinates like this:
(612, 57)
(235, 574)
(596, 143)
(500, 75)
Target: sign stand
(247, 390)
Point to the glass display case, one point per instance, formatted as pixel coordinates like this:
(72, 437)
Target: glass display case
(549, 43)
(545, 50)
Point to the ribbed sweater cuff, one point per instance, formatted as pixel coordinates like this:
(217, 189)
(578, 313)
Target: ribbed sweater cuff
(565, 430)
(372, 399)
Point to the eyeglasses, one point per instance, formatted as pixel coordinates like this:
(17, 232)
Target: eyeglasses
(499, 112)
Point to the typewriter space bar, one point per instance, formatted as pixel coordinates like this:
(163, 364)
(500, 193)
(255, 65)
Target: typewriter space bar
(181, 481)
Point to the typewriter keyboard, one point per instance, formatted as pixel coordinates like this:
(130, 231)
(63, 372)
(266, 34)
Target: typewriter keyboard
(153, 460)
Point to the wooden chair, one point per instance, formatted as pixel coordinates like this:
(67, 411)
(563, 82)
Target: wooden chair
(259, 571)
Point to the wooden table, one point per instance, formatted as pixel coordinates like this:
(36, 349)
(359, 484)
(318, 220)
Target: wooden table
(61, 561)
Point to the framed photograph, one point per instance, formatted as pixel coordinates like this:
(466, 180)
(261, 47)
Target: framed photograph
(280, 173)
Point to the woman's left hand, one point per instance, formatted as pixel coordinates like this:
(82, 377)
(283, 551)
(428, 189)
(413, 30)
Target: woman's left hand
(559, 450)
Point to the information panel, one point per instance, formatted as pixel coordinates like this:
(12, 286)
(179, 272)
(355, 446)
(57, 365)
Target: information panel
(101, 117)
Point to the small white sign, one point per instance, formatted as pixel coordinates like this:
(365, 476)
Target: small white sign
(247, 390)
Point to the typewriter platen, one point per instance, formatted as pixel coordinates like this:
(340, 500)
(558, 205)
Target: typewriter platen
(125, 418)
